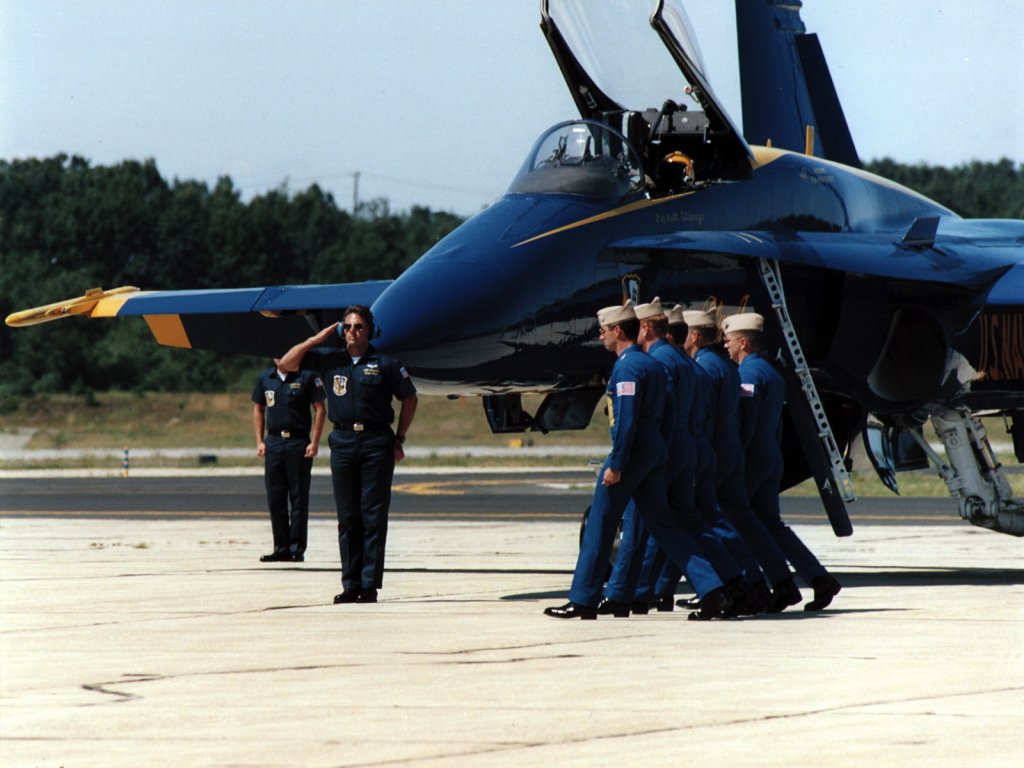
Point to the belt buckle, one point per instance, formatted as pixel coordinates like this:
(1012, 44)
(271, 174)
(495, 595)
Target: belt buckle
(285, 433)
(358, 427)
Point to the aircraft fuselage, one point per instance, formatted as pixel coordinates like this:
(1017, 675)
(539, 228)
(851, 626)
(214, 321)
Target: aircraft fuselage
(511, 295)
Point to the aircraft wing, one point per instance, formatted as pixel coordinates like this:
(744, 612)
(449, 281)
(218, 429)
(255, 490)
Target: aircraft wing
(253, 321)
(971, 254)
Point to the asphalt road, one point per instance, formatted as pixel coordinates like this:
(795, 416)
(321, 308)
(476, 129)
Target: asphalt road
(498, 496)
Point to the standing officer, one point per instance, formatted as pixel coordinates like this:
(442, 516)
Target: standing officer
(730, 486)
(361, 383)
(281, 401)
(761, 400)
(635, 469)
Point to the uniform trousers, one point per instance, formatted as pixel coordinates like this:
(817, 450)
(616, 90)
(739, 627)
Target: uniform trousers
(286, 475)
(764, 500)
(734, 504)
(659, 575)
(362, 468)
(643, 481)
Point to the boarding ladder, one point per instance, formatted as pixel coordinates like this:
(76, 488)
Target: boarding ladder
(772, 279)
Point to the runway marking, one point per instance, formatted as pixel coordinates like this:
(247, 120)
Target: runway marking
(452, 487)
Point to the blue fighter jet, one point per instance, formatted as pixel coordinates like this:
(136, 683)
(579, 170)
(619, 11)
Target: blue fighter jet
(888, 309)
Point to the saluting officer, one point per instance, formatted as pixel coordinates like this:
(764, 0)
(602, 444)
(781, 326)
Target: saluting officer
(361, 383)
(281, 403)
(762, 394)
(635, 469)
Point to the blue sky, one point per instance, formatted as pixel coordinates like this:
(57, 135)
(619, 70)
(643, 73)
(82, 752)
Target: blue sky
(436, 102)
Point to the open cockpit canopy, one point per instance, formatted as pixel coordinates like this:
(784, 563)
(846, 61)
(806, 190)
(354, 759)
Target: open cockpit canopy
(581, 157)
(635, 66)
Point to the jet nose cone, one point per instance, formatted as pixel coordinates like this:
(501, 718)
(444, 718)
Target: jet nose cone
(429, 307)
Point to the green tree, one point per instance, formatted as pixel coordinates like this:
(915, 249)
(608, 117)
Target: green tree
(66, 226)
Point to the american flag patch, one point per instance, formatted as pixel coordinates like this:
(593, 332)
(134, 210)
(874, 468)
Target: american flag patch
(625, 388)
(405, 373)
(747, 390)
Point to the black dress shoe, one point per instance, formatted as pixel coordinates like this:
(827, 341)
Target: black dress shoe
(666, 603)
(760, 600)
(367, 596)
(640, 607)
(348, 596)
(297, 557)
(716, 604)
(825, 588)
(276, 557)
(741, 596)
(571, 610)
(613, 608)
(689, 603)
(784, 594)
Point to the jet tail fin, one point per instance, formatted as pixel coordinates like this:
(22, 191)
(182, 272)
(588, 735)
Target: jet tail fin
(785, 83)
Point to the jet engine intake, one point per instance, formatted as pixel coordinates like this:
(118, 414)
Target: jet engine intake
(912, 364)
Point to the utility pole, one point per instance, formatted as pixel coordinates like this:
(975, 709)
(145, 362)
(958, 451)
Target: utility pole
(355, 192)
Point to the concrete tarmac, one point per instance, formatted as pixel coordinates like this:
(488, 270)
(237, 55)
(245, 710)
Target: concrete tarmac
(163, 642)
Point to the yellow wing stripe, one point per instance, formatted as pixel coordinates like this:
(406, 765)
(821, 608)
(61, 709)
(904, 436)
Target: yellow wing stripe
(168, 330)
(82, 305)
(110, 306)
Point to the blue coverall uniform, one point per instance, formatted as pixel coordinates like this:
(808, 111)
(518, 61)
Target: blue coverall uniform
(728, 561)
(730, 485)
(761, 400)
(286, 470)
(639, 554)
(359, 398)
(636, 394)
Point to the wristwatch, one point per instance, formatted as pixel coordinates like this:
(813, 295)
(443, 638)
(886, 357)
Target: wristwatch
(400, 439)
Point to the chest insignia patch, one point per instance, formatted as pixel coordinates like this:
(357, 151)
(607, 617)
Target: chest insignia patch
(269, 395)
(340, 385)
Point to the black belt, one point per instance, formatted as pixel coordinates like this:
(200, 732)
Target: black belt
(361, 426)
(288, 434)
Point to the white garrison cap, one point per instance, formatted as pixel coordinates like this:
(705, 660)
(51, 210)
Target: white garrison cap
(745, 321)
(616, 314)
(649, 310)
(675, 315)
(696, 318)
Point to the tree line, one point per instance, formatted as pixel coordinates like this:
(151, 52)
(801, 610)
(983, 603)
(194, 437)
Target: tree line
(66, 226)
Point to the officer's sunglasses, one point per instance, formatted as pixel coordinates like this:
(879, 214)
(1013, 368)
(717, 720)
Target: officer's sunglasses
(352, 326)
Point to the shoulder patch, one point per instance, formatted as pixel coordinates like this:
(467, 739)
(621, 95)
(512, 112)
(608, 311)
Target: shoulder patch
(747, 390)
(405, 373)
(625, 388)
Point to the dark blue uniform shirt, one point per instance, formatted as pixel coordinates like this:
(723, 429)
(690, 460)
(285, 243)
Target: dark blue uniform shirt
(762, 392)
(636, 395)
(360, 391)
(725, 437)
(288, 402)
